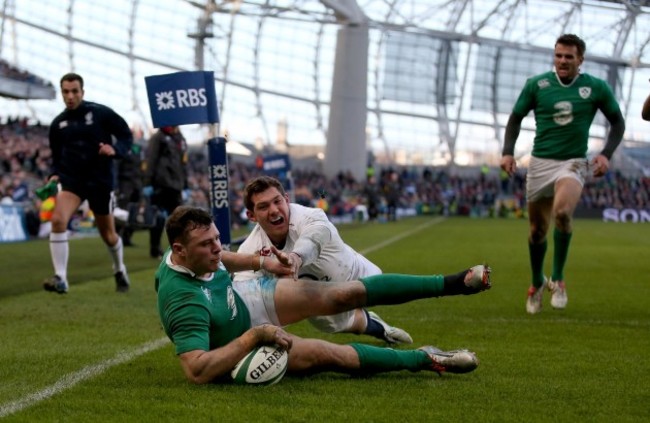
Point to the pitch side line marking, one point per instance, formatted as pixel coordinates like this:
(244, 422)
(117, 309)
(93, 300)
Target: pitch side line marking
(634, 324)
(401, 236)
(71, 379)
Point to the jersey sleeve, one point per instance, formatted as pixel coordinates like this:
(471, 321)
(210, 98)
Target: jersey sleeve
(607, 102)
(55, 145)
(117, 127)
(314, 232)
(189, 327)
(526, 100)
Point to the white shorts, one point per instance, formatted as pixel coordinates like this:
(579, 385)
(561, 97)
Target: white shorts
(342, 322)
(544, 173)
(335, 323)
(258, 295)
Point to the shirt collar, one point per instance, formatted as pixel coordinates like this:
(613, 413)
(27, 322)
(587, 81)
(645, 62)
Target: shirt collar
(182, 269)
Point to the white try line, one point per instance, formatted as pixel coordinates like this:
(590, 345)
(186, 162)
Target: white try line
(402, 235)
(71, 379)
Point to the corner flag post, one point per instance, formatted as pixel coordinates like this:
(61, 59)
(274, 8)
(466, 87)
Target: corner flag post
(187, 98)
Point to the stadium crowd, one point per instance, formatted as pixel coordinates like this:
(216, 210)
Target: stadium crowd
(25, 164)
(10, 71)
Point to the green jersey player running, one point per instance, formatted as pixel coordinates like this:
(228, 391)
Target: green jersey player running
(565, 102)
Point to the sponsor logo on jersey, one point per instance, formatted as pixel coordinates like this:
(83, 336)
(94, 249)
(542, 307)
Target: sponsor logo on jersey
(89, 118)
(543, 83)
(230, 295)
(207, 293)
(584, 92)
(63, 124)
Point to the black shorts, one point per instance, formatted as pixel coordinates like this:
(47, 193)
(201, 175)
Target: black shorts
(100, 198)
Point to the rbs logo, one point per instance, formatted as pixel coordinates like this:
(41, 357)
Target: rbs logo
(219, 193)
(190, 97)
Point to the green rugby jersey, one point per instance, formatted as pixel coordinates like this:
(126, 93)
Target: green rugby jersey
(563, 114)
(199, 314)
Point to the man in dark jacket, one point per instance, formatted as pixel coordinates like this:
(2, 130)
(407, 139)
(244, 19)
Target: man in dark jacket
(165, 178)
(129, 188)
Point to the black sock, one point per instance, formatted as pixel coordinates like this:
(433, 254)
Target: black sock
(455, 284)
(373, 328)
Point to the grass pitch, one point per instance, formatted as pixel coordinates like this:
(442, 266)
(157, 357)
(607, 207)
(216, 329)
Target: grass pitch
(95, 355)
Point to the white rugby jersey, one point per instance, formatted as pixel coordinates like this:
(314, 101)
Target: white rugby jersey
(325, 256)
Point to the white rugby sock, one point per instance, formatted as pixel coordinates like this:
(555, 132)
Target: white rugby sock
(117, 254)
(59, 250)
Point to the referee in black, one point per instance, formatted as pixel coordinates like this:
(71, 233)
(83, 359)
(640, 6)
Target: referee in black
(84, 139)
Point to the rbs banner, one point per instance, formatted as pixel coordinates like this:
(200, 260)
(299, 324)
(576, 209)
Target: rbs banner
(182, 98)
(219, 198)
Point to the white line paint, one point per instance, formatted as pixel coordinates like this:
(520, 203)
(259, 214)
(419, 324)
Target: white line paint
(71, 379)
(402, 235)
(537, 320)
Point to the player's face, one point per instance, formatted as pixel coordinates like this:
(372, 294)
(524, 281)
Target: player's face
(567, 61)
(202, 253)
(72, 94)
(272, 213)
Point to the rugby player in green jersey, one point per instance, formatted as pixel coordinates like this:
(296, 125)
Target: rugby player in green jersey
(565, 102)
(214, 324)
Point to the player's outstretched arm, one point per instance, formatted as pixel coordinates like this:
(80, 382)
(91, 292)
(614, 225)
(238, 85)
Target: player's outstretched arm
(202, 367)
(237, 262)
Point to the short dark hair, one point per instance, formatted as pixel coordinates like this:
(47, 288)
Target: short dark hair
(258, 185)
(71, 77)
(185, 219)
(572, 40)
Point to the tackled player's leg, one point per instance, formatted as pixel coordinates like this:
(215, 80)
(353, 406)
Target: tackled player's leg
(294, 301)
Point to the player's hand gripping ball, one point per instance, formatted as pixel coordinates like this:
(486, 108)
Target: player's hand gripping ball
(264, 365)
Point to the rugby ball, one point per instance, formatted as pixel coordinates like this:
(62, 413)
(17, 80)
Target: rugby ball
(264, 365)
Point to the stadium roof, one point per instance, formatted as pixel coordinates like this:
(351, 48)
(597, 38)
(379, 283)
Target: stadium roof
(273, 62)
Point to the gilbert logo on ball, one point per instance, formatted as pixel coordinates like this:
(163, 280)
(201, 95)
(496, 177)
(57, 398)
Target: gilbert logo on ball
(264, 365)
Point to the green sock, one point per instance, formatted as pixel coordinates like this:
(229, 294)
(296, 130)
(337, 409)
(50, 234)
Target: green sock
(537, 253)
(561, 240)
(375, 359)
(392, 288)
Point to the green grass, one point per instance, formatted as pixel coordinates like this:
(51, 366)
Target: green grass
(586, 363)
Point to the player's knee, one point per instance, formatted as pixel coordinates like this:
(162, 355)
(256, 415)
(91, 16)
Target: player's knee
(345, 297)
(59, 224)
(562, 218)
(538, 233)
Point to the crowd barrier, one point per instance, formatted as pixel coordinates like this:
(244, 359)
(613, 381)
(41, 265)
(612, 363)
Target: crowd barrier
(12, 223)
(610, 214)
